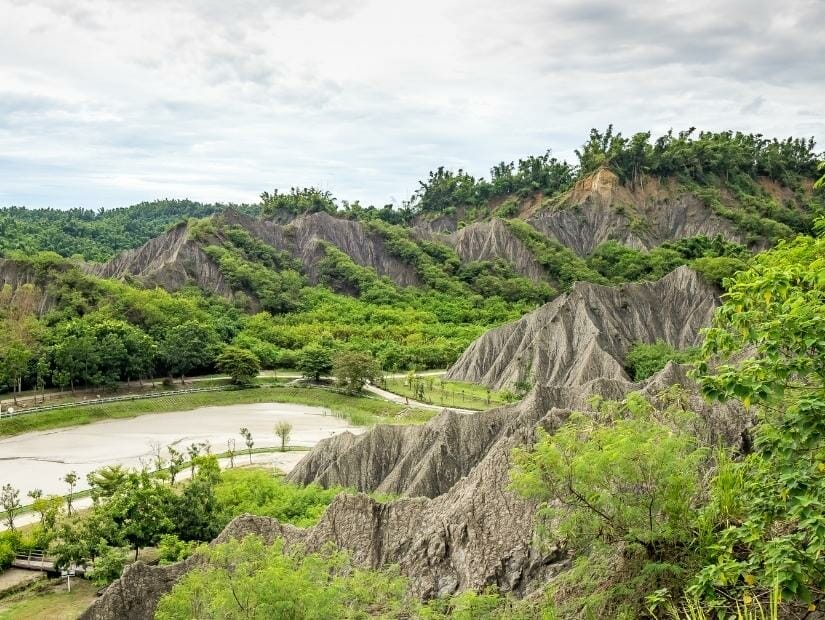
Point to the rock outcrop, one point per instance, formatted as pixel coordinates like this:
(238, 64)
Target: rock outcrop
(490, 240)
(600, 209)
(449, 543)
(21, 285)
(351, 237)
(585, 334)
(171, 261)
(175, 260)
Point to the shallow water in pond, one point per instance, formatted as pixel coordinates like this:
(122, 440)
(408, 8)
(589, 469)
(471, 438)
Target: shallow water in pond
(41, 459)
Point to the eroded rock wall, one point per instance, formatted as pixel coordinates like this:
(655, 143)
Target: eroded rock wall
(600, 209)
(585, 334)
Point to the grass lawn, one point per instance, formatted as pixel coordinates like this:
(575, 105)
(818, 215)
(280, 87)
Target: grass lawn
(448, 393)
(359, 410)
(50, 600)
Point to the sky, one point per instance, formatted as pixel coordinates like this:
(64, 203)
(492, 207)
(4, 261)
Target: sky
(108, 103)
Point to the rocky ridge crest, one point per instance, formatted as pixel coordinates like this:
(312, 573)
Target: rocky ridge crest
(585, 334)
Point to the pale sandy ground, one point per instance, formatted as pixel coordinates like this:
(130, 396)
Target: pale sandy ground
(13, 577)
(41, 459)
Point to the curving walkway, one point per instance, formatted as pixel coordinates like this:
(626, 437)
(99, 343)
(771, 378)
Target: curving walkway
(401, 400)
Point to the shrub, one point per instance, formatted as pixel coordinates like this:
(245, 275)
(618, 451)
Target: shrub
(644, 360)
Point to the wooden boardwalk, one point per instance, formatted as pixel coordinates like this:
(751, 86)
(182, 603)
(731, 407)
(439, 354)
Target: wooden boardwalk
(35, 559)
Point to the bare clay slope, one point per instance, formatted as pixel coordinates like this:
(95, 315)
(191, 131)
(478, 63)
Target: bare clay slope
(174, 259)
(489, 240)
(586, 333)
(450, 543)
(600, 209)
(304, 236)
(170, 261)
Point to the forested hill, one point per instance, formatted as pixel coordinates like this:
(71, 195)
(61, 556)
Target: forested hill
(97, 235)
(300, 276)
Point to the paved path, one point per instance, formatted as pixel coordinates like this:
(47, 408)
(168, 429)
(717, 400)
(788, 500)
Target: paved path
(402, 400)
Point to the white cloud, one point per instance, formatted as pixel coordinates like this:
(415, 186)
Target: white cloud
(104, 103)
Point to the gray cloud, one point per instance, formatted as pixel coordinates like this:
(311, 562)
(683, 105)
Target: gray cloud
(105, 103)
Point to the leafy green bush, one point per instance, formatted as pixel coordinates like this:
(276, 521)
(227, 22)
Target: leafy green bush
(282, 584)
(644, 360)
(257, 491)
(717, 269)
(109, 565)
(621, 486)
(172, 549)
(9, 544)
(767, 348)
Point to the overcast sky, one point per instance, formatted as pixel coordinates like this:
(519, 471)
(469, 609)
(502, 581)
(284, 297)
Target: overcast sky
(107, 103)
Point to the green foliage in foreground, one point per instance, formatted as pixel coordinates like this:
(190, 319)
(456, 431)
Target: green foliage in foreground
(661, 521)
(624, 477)
(258, 492)
(243, 579)
(774, 529)
(644, 360)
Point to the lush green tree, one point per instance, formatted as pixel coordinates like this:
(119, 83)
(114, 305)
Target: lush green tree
(249, 441)
(105, 481)
(240, 364)
(280, 583)
(10, 502)
(767, 348)
(444, 191)
(258, 491)
(139, 510)
(109, 565)
(718, 268)
(48, 507)
(188, 346)
(195, 510)
(644, 360)
(315, 360)
(625, 474)
(71, 480)
(76, 357)
(352, 369)
(298, 201)
(14, 362)
(176, 461)
(172, 549)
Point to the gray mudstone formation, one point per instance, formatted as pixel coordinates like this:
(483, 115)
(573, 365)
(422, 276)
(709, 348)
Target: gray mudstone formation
(585, 334)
